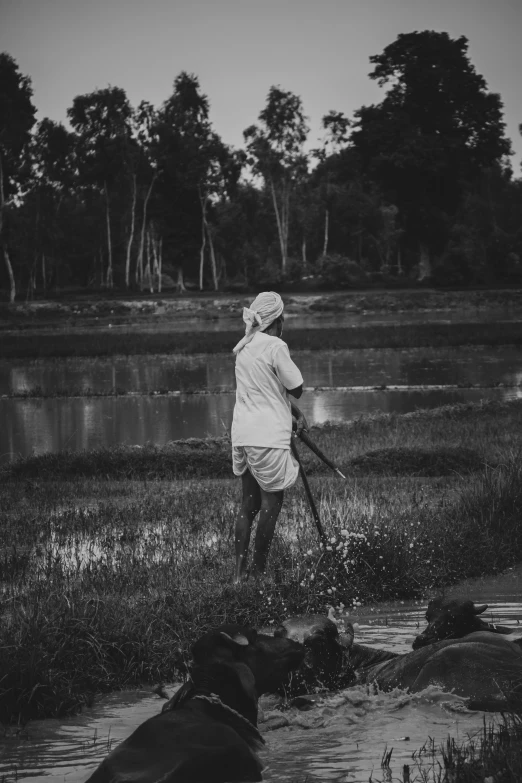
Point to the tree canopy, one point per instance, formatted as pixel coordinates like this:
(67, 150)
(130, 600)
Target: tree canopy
(415, 187)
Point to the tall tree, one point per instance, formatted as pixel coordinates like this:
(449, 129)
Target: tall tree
(102, 120)
(276, 153)
(436, 125)
(193, 168)
(335, 126)
(53, 169)
(144, 175)
(17, 117)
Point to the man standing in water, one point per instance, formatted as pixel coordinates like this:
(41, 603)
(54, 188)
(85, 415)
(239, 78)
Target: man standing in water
(262, 426)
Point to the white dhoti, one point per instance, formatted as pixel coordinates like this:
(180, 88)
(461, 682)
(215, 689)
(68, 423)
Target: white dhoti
(273, 469)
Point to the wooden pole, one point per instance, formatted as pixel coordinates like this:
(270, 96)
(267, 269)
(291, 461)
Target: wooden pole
(311, 445)
(308, 492)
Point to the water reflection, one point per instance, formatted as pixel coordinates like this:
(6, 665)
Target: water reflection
(144, 374)
(38, 425)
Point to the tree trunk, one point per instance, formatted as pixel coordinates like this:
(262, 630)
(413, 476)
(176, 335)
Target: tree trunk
(286, 222)
(424, 262)
(155, 265)
(35, 256)
(203, 202)
(279, 227)
(399, 262)
(44, 281)
(2, 197)
(303, 253)
(212, 259)
(131, 235)
(160, 262)
(109, 240)
(148, 272)
(139, 262)
(205, 232)
(12, 293)
(180, 284)
(326, 230)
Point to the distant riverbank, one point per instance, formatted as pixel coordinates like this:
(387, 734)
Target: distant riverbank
(129, 342)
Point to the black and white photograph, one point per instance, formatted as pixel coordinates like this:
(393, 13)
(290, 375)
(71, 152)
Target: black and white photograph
(260, 391)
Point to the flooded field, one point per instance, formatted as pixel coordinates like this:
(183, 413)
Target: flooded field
(165, 398)
(344, 743)
(347, 368)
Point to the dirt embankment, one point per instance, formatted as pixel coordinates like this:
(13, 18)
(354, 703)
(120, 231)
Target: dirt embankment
(204, 306)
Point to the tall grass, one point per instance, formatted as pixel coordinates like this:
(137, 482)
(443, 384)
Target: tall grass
(492, 756)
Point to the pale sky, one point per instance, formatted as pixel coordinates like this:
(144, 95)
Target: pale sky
(318, 49)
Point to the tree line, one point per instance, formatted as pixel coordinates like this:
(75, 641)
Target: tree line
(417, 187)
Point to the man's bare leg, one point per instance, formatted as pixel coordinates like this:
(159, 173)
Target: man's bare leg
(250, 505)
(271, 503)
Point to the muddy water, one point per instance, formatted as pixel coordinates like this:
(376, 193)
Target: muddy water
(36, 426)
(342, 740)
(353, 368)
(422, 378)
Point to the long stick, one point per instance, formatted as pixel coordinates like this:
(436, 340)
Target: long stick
(311, 501)
(311, 445)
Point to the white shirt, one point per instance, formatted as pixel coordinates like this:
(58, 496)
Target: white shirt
(262, 414)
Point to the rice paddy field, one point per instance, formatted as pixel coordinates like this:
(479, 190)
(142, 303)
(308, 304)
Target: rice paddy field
(112, 564)
(113, 561)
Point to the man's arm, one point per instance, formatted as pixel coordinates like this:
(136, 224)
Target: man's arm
(296, 392)
(297, 417)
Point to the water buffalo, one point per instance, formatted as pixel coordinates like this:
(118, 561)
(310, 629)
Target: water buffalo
(483, 666)
(453, 619)
(326, 664)
(208, 731)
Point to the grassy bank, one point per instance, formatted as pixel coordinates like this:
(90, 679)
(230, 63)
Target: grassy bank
(136, 307)
(492, 756)
(107, 582)
(98, 342)
(452, 439)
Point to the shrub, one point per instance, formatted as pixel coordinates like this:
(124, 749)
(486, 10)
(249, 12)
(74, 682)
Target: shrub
(337, 270)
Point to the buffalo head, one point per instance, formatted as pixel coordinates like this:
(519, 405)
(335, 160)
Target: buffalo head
(326, 661)
(452, 620)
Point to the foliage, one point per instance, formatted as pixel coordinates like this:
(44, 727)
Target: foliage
(417, 186)
(275, 150)
(436, 126)
(16, 120)
(338, 271)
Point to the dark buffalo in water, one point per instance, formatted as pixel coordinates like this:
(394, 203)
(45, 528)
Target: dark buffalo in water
(326, 665)
(454, 619)
(483, 666)
(207, 733)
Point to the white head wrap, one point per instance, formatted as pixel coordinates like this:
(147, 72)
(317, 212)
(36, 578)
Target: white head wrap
(265, 308)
